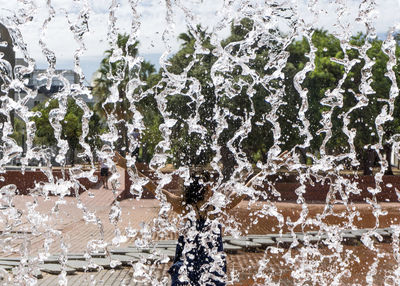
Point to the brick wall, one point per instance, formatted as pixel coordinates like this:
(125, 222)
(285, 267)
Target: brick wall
(26, 181)
(315, 191)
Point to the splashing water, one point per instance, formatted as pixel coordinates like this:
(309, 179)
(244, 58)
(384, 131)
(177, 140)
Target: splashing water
(292, 109)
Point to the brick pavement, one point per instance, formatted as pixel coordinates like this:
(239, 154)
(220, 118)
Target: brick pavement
(76, 233)
(245, 265)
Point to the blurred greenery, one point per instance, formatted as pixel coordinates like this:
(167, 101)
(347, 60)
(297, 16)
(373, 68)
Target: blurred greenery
(71, 127)
(241, 79)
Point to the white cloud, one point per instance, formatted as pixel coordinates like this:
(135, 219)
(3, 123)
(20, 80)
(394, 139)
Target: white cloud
(152, 18)
(385, 16)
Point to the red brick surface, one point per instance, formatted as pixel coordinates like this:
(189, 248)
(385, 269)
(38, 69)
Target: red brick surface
(76, 221)
(25, 181)
(286, 186)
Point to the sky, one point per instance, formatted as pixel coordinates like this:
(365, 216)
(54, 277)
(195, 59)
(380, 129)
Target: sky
(149, 17)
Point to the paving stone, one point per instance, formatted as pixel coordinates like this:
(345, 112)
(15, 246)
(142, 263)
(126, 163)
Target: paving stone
(143, 255)
(229, 238)
(313, 239)
(322, 236)
(286, 235)
(245, 243)
(6, 267)
(300, 237)
(312, 232)
(10, 263)
(76, 257)
(159, 247)
(251, 236)
(383, 232)
(125, 259)
(163, 251)
(349, 238)
(284, 241)
(37, 274)
(52, 259)
(348, 235)
(358, 232)
(98, 254)
(105, 263)
(166, 242)
(318, 238)
(169, 253)
(386, 236)
(122, 250)
(139, 249)
(56, 269)
(17, 259)
(388, 229)
(135, 254)
(79, 265)
(265, 242)
(272, 235)
(230, 248)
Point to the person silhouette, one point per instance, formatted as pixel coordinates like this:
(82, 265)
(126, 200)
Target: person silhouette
(199, 256)
(104, 173)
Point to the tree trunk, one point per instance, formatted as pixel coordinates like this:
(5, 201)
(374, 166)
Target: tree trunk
(368, 161)
(72, 156)
(388, 153)
(123, 140)
(228, 162)
(303, 156)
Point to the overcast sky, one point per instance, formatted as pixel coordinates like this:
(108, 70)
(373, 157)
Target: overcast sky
(152, 18)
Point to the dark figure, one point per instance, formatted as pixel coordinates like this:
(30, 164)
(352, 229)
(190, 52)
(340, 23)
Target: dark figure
(104, 173)
(136, 137)
(199, 257)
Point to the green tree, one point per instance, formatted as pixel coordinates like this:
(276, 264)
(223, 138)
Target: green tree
(363, 119)
(325, 77)
(259, 94)
(110, 72)
(71, 127)
(195, 98)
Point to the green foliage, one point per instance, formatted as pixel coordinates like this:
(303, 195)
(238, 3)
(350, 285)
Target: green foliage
(190, 147)
(197, 95)
(152, 119)
(325, 77)
(71, 126)
(19, 134)
(44, 130)
(111, 72)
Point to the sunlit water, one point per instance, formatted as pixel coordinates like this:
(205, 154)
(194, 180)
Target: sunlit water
(228, 96)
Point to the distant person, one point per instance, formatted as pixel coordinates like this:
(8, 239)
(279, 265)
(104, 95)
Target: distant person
(104, 173)
(199, 256)
(136, 136)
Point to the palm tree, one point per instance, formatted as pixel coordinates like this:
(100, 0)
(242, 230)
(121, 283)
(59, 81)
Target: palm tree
(188, 38)
(111, 72)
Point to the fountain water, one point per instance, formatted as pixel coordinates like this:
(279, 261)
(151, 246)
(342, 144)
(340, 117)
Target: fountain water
(256, 88)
